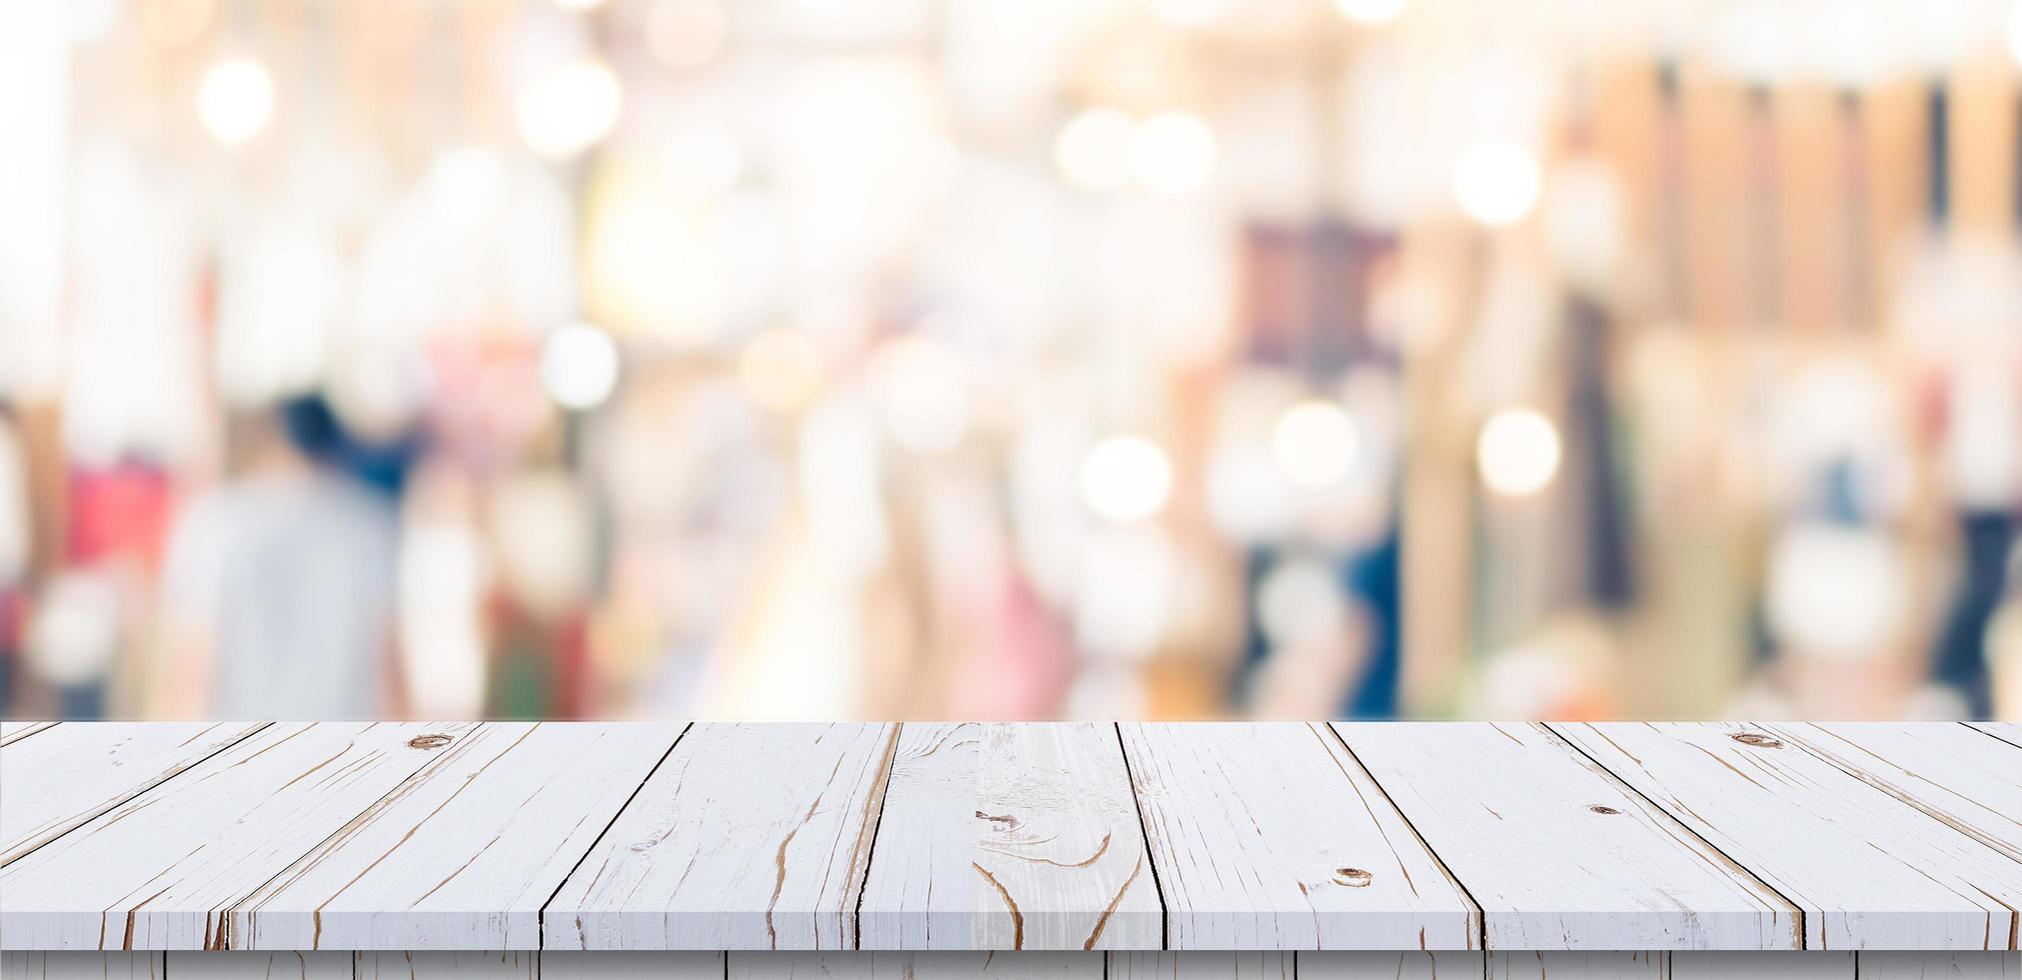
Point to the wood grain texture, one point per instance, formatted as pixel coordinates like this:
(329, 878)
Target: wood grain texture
(1955, 775)
(1929, 966)
(1589, 965)
(749, 836)
(1203, 965)
(238, 965)
(1006, 837)
(464, 855)
(14, 731)
(1028, 965)
(446, 965)
(2006, 731)
(1870, 871)
(1559, 855)
(1268, 836)
(630, 965)
(1452, 964)
(1810, 964)
(158, 871)
(72, 773)
(38, 965)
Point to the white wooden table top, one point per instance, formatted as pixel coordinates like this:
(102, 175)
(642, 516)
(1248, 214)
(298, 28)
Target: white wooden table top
(1069, 836)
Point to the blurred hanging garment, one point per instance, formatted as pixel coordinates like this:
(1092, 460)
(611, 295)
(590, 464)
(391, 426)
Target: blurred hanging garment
(289, 577)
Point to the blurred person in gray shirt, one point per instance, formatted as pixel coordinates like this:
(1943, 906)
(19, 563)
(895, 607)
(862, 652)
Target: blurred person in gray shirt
(278, 586)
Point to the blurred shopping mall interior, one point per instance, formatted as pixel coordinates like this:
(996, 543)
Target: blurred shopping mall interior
(1010, 359)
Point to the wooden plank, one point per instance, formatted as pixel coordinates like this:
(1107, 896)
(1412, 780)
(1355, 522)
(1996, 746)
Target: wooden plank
(447, 965)
(1559, 855)
(1564, 965)
(1952, 773)
(749, 836)
(1268, 836)
(464, 855)
(241, 965)
(630, 965)
(1005, 837)
(1933, 966)
(39, 965)
(1870, 871)
(916, 966)
(1783, 964)
(1449, 964)
(1203, 965)
(14, 731)
(2006, 731)
(75, 772)
(158, 871)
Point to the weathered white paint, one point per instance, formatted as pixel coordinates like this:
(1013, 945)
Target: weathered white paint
(447, 965)
(1451, 964)
(749, 836)
(916, 966)
(1955, 775)
(1005, 837)
(1268, 836)
(20, 965)
(158, 871)
(1870, 871)
(2006, 731)
(1564, 965)
(1558, 854)
(72, 773)
(464, 855)
(1203, 965)
(14, 731)
(1928, 966)
(241, 965)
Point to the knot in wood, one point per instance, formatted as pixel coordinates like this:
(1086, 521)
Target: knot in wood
(1604, 810)
(435, 741)
(1352, 877)
(1757, 739)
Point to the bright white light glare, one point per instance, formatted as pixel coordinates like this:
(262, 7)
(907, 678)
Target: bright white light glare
(1497, 183)
(1093, 150)
(566, 110)
(1299, 601)
(781, 369)
(1518, 452)
(922, 394)
(1315, 444)
(699, 164)
(2015, 33)
(578, 6)
(236, 99)
(1188, 12)
(579, 366)
(1174, 152)
(1835, 591)
(467, 184)
(1125, 478)
(1371, 13)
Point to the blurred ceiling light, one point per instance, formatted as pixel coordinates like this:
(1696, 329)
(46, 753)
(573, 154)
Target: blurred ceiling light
(1518, 452)
(1370, 13)
(466, 184)
(173, 23)
(1835, 591)
(684, 34)
(781, 369)
(1315, 444)
(579, 366)
(236, 99)
(1174, 152)
(568, 109)
(1191, 13)
(1093, 151)
(1299, 601)
(1497, 183)
(1125, 479)
(1246, 495)
(699, 164)
(921, 391)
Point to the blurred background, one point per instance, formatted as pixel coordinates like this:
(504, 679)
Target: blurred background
(1010, 358)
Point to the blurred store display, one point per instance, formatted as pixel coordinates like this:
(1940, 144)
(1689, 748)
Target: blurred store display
(1053, 358)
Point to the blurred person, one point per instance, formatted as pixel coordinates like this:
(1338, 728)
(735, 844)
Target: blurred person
(278, 589)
